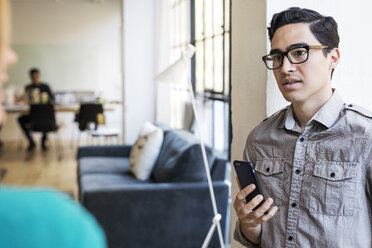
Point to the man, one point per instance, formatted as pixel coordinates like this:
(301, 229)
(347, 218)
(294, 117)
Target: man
(313, 158)
(36, 93)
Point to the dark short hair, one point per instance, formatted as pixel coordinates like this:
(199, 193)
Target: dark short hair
(34, 70)
(324, 28)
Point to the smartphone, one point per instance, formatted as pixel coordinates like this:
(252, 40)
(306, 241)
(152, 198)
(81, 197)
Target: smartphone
(247, 175)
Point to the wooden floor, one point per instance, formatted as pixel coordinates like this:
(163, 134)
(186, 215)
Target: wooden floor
(40, 168)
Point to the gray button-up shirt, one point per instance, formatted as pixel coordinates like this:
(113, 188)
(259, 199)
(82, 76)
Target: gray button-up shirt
(320, 179)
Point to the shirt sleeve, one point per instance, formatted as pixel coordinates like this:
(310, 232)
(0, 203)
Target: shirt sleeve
(248, 153)
(369, 189)
(246, 156)
(50, 93)
(368, 163)
(238, 236)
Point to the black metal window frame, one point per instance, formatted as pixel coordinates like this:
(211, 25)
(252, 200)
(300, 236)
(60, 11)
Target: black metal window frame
(211, 94)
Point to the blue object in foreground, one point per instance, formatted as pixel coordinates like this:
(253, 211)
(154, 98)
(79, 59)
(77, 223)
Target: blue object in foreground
(44, 218)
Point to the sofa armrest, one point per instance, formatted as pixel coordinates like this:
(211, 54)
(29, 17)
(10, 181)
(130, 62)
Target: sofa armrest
(104, 151)
(160, 214)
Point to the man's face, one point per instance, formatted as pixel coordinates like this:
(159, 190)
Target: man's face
(35, 77)
(309, 80)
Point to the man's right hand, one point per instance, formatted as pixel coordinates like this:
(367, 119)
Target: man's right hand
(250, 221)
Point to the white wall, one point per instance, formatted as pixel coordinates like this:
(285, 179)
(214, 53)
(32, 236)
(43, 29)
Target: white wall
(76, 44)
(248, 78)
(353, 74)
(139, 65)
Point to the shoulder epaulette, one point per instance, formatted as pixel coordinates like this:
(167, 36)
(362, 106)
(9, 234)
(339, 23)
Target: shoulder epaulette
(356, 108)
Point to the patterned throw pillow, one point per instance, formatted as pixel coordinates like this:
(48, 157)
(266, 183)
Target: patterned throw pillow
(145, 151)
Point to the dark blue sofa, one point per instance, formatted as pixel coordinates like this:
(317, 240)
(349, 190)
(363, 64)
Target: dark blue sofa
(172, 209)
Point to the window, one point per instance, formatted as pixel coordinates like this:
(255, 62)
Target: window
(206, 25)
(211, 36)
(179, 38)
(179, 27)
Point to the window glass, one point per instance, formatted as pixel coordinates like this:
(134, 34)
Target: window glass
(209, 63)
(199, 66)
(210, 34)
(227, 63)
(208, 18)
(218, 16)
(218, 63)
(199, 19)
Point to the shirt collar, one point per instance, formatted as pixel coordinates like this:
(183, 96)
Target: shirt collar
(288, 121)
(329, 113)
(326, 115)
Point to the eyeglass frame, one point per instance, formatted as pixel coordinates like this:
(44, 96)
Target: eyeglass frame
(307, 47)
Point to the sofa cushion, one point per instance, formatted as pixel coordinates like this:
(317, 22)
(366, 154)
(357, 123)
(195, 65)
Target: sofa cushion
(144, 153)
(180, 158)
(91, 182)
(108, 165)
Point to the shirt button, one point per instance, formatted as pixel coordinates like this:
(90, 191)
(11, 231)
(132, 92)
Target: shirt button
(333, 174)
(297, 171)
(302, 139)
(290, 238)
(294, 205)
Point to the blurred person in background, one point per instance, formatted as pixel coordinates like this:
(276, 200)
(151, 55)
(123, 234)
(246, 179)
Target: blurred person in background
(36, 92)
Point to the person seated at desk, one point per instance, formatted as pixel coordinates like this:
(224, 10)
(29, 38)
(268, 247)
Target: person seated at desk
(35, 93)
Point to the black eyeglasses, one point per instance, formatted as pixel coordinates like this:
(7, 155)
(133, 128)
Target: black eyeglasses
(295, 55)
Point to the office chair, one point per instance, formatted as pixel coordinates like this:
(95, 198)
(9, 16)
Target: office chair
(87, 116)
(42, 119)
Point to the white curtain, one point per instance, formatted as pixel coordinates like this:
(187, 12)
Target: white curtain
(162, 60)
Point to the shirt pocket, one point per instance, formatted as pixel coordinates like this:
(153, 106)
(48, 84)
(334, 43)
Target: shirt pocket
(270, 175)
(333, 188)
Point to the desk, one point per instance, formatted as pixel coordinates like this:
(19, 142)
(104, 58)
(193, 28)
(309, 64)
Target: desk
(20, 109)
(65, 115)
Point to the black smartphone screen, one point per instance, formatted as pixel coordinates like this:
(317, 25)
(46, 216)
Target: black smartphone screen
(247, 175)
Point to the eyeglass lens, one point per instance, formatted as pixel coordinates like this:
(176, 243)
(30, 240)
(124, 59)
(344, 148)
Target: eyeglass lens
(296, 56)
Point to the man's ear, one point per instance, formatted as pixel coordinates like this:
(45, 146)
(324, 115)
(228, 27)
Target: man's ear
(334, 58)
